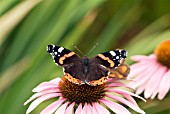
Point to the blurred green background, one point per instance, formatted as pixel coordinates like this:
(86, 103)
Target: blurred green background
(27, 27)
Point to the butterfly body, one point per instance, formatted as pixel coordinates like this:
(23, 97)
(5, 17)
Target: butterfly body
(93, 71)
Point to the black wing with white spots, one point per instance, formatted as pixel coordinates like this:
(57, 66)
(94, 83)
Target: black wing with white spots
(112, 59)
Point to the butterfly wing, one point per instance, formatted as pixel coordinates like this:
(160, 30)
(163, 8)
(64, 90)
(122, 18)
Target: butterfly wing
(71, 62)
(107, 64)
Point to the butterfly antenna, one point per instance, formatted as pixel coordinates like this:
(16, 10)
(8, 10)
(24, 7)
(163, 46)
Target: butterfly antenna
(78, 49)
(92, 48)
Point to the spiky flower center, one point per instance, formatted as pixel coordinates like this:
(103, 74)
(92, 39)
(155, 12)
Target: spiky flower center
(81, 93)
(163, 53)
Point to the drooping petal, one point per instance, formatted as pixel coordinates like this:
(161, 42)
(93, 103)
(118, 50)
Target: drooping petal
(131, 99)
(36, 95)
(144, 76)
(69, 110)
(164, 86)
(62, 109)
(143, 57)
(124, 93)
(89, 109)
(115, 107)
(153, 82)
(39, 100)
(44, 86)
(117, 84)
(94, 109)
(124, 101)
(138, 68)
(79, 109)
(139, 58)
(56, 80)
(53, 106)
(84, 110)
(100, 109)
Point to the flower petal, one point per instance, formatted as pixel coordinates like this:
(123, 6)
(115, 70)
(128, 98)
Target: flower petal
(124, 93)
(56, 80)
(143, 57)
(84, 110)
(138, 68)
(53, 106)
(79, 109)
(164, 86)
(118, 84)
(100, 109)
(153, 82)
(69, 110)
(89, 109)
(36, 95)
(61, 110)
(143, 77)
(139, 58)
(124, 101)
(35, 103)
(115, 107)
(94, 109)
(44, 86)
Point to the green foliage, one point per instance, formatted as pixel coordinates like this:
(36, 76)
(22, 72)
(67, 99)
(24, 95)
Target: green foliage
(27, 27)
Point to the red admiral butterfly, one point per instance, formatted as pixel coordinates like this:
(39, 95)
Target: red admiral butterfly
(94, 71)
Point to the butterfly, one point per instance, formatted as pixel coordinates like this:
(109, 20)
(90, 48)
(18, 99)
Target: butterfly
(94, 71)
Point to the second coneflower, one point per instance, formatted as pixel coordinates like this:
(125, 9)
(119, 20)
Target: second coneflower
(151, 74)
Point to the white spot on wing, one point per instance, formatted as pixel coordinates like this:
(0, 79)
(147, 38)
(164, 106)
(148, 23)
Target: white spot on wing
(112, 53)
(117, 57)
(55, 53)
(60, 49)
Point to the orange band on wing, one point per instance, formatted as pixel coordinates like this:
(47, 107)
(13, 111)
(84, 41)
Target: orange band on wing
(65, 56)
(107, 59)
(98, 82)
(71, 79)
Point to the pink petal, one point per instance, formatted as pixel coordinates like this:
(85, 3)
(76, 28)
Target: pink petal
(140, 89)
(143, 58)
(53, 106)
(100, 109)
(126, 102)
(35, 103)
(143, 77)
(44, 86)
(55, 81)
(117, 84)
(61, 110)
(79, 109)
(152, 84)
(164, 86)
(84, 110)
(94, 109)
(139, 58)
(36, 95)
(89, 109)
(131, 99)
(124, 93)
(115, 107)
(138, 68)
(69, 110)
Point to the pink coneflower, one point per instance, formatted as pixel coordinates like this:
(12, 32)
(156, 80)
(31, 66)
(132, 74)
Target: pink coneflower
(151, 74)
(83, 99)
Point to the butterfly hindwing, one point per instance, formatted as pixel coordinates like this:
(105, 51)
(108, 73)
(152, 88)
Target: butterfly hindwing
(120, 72)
